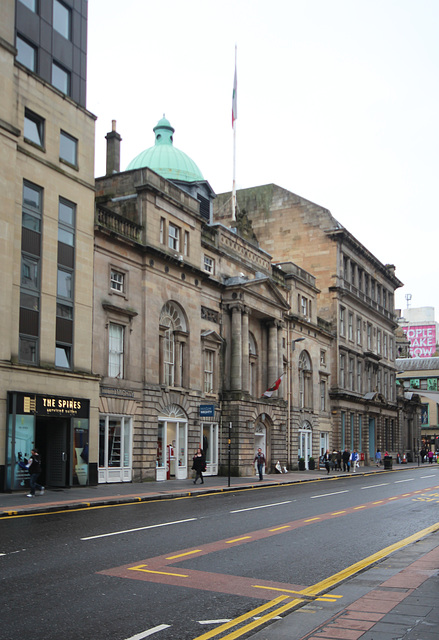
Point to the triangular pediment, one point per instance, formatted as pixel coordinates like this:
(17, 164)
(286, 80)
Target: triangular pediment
(260, 288)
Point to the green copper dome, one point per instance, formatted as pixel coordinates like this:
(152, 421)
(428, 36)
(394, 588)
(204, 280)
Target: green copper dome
(165, 159)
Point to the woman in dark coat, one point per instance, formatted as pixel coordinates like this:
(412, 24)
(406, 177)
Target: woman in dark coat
(199, 465)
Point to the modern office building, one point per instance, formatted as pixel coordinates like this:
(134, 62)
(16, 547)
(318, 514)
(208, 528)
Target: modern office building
(48, 393)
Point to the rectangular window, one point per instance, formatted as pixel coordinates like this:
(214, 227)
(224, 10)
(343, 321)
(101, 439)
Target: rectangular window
(209, 265)
(62, 19)
(351, 374)
(342, 321)
(385, 345)
(208, 370)
(30, 283)
(68, 148)
(162, 230)
(174, 237)
(65, 284)
(379, 341)
(117, 279)
(186, 243)
(323, 357)
(379, 381)
(33, 130)
(369, 336)
(63, 356)
(342, 371)
(322, 395)
(303, 305)
(386, 384)
(359, 377)
(115, 360)
(61, 78)
(358, 330)
(350, 326)
(369, 378)
(26, 53)
(391, 349)
(372, 289)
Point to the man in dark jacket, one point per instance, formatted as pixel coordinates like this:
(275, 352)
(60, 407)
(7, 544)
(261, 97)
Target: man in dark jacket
(34, 468)
(346, 456)
(260, 461)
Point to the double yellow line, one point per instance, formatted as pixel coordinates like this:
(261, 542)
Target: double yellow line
(273, 609)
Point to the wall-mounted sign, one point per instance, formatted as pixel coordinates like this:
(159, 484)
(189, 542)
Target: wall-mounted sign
(48, 405)
(422, 340)
(207, 410)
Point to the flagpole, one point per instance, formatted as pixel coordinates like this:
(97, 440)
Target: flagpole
(234, 116)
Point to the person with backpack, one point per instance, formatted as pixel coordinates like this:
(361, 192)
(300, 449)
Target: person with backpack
(34, 468)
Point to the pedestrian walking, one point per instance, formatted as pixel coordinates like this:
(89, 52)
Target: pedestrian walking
(430, 456)
(34, 468)
(354, 460)
(327, 460)
(199, 465)
(260, 461)
(345, 458)
(378, 458)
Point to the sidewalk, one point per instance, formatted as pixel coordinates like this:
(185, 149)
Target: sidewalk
(17, 503)
(394, 599)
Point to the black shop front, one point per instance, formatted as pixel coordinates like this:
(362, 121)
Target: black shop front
(58, 427)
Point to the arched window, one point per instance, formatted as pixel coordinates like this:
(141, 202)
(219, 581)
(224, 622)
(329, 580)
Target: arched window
(253, 358)
(173, 339)
(305, 381)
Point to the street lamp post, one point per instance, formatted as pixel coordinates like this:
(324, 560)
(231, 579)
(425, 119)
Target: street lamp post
(290, 395)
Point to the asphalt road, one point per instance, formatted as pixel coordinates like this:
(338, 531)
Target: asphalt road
(177, 569)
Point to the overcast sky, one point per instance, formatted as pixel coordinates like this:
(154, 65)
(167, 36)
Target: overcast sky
(338, 102)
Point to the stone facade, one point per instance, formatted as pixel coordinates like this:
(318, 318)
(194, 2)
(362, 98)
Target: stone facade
(355, 298)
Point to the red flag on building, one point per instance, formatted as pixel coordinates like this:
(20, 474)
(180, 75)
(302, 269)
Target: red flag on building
(273, 388)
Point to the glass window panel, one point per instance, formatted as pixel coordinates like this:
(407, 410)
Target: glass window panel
(60, 78)
(63, 357)
(30, 4)
(27, 301)
(102, 440)
(29, 273)
(61, 19)
(161, 444)
(34, 128)
(31, 222)
(26, 54)
(64, 284)
(66, 213)
(66, 236)
(68, 148)
(31, 197)
(28, 350)
(181, 444)
(114, 443)
(64, 311)
(127, 442)
(117, 280)
(115, 359)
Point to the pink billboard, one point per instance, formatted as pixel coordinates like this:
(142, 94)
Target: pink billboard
(422, 340)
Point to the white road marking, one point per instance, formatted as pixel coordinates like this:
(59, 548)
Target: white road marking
(325, 495)
(372, 486)
(152, 526)
(221, 621)
(262, 506)
(149, 632)
(406, 480)
(432, 476)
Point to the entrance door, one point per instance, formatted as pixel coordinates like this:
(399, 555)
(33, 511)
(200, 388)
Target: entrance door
(305, 445)
(324, 442)
(261, 442)
(57, 451)
(209, 444)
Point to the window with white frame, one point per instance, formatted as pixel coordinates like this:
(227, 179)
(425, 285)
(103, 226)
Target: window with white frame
(350, 325)
(304, 306)
(305, 381)
(369, 336)
(342, 370)
(351, 374)
(385, 342)
(209, 265)
(379, 389)
(115, 350)
(162, 230)
(172, 344)
(358, 330)
(186, 243)
(209, 359)
(117, 281)
(379, 341)
(322, 395)
(173, 237)
(359, 376)
(342, 321)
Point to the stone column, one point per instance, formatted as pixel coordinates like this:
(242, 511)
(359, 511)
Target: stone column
(236, 356)
(273, 360)
(245, 351)
(281, 390)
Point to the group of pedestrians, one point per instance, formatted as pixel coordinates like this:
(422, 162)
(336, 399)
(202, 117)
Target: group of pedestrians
(341, 461)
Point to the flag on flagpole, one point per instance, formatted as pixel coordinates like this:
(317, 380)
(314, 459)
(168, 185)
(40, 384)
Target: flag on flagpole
(235, 97)
(273, 388)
